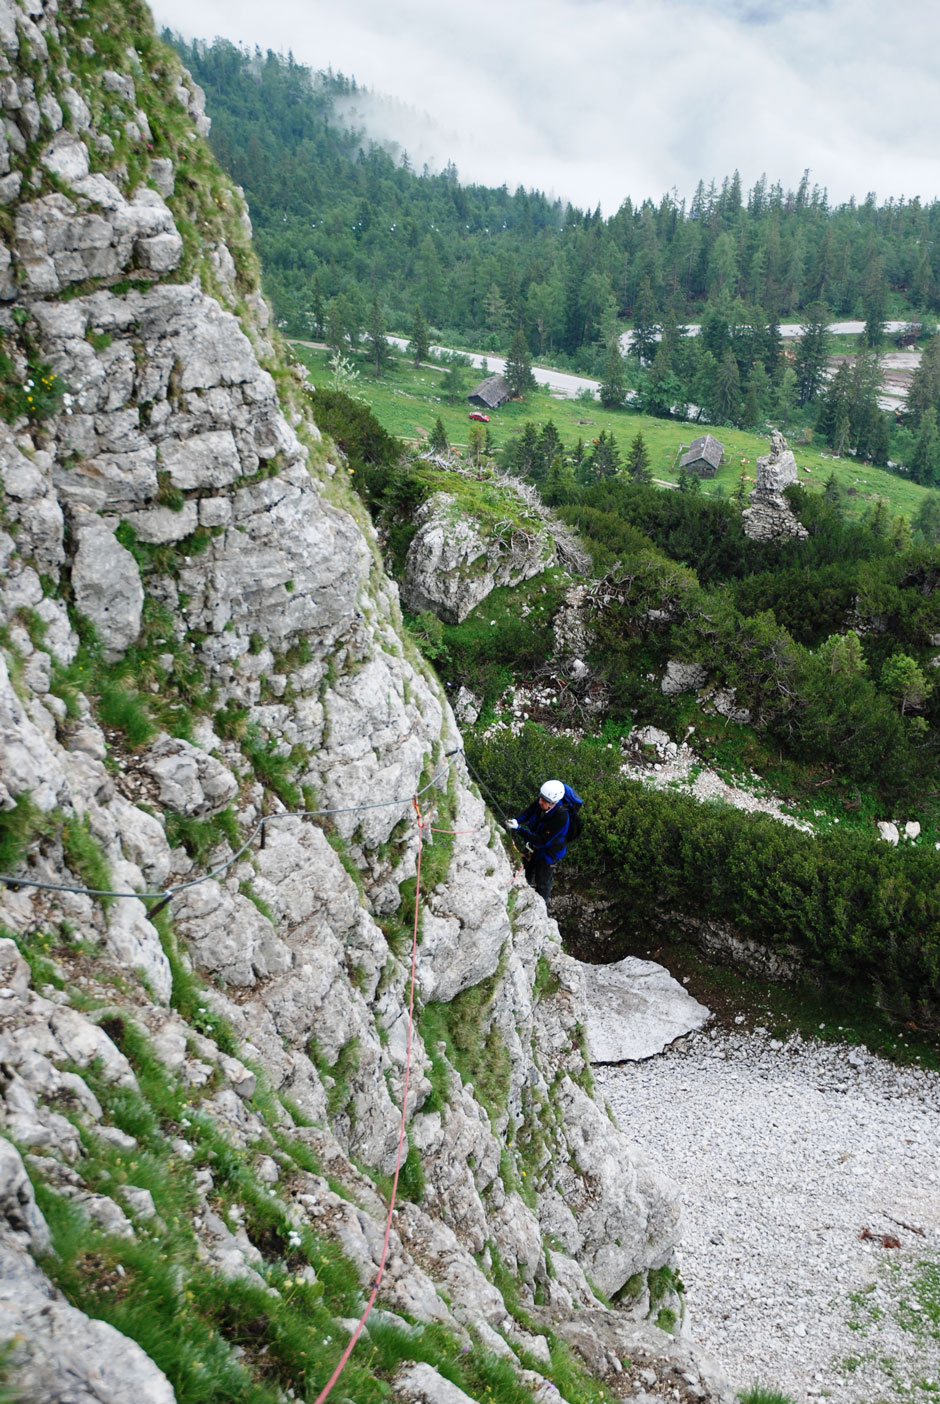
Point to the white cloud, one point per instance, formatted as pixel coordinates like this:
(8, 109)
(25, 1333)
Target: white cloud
(594, 100)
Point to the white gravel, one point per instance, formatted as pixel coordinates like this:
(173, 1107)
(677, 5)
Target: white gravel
(785, 1154)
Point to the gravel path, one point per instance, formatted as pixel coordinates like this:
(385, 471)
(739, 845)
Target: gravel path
(785, 1154)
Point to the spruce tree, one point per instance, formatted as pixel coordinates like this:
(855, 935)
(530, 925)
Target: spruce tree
(925, 460)
(645, 327)
(317, 314)
(558, 479)
(638, 460)
(924, 391)
(380, 353)
(549, 446)
(811, 353)
(437, 441)
(518, 370)
(420, 344)
(927, 522)
(522, 453)
(613, 389)
(727, 392)
(475, 446)
(750, 414)
(604, 461)
(336, 338)
(454, 379)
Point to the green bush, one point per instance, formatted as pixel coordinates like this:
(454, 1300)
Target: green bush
(854, 909)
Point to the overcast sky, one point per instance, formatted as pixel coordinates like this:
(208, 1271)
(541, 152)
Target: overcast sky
(594, 100)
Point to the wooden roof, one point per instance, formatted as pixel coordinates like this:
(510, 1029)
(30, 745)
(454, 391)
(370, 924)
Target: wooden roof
(707, 447)
(492, 392)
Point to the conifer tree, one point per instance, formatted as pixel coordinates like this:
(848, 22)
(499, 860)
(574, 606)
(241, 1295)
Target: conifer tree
(336, 338)
(549, 446)
(420, 344)
(437, 440)
(522, 454)
(558, 479)
(924, 390)
(927, 521)
(316, 315)
(518, 370)
(475, 445)
(904, 680)
(604, 460)
(454, 379)
(832, 492)
(645, 327)
(811, 353)
(380, 353)
(727, 393)
(925, 460)
(750, 413)
(638, 460)
(614, 385)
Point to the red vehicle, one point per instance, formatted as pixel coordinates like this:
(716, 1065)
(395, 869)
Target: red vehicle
(483, 418)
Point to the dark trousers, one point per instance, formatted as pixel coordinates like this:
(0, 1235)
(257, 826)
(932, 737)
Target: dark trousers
(540, 875)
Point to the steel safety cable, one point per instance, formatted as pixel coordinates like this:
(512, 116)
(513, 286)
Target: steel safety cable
(483, 786)
(168, 892)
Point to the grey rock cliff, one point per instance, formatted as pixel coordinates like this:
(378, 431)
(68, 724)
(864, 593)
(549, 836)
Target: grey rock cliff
(769, 516)
(189, 513)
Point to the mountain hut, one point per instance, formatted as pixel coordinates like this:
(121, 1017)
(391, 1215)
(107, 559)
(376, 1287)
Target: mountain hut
(704, 457)
(491, 392)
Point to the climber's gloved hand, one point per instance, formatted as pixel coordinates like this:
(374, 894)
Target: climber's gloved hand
(512, 823)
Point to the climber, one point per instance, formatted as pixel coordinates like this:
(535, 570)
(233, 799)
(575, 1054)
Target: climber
(545, 830)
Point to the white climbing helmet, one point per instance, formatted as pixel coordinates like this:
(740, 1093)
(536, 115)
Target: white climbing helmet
(553, 791)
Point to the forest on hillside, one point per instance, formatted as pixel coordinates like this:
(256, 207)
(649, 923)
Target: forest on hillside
(336, 214)
(354, 243)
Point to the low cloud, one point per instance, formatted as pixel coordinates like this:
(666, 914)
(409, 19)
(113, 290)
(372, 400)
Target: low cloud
(595, 100)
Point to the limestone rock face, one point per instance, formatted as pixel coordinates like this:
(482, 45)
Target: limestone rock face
(632, 1207)
(454, 561)
(769, 516)
(776, 470)
(27, 762)
(189, 780)
(270, 645)
(107, 587)
(54, 1343)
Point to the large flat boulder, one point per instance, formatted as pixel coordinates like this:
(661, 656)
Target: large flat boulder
(635, 1009)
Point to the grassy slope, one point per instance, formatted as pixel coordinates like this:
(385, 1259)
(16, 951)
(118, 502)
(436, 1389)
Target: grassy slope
(407, 402)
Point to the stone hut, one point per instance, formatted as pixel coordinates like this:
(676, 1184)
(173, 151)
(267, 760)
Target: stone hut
(704, 457)
(491, 392)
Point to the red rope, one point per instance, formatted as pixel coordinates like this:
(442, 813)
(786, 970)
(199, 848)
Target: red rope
(401, 1139)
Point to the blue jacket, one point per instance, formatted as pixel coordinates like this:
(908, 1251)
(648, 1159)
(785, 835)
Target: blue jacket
(545, 831)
